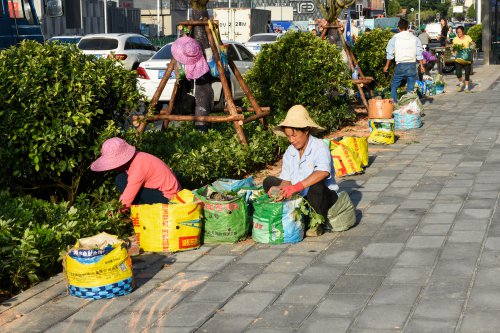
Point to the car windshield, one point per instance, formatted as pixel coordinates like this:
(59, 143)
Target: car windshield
(100, 44)
(69, 40)
(164, 53)
(263, 38)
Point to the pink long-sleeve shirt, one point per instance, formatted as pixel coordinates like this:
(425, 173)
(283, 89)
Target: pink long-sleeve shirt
(149, 171)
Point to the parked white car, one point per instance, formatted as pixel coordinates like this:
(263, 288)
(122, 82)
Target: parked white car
(434, 31)
(65, 39)
(130, 49)
(255, 42)
(150, 73)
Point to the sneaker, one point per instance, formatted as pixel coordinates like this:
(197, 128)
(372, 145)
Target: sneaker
(315, 232)
(460, 88)
(467, 90)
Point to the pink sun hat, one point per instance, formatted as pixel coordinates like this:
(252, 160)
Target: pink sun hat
(187, 51)
(115, 152)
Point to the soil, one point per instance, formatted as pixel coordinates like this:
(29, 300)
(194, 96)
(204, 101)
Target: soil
(358, 128)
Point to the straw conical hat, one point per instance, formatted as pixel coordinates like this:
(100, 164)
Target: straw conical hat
(297, 117)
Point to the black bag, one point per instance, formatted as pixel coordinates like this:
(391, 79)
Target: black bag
(184, 101)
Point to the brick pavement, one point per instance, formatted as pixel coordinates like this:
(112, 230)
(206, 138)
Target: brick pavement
(425, 256)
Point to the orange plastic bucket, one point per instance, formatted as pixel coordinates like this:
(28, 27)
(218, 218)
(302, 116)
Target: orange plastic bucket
(380, 108)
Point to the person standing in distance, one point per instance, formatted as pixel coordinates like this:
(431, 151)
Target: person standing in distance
(406, 50)
(444, 32)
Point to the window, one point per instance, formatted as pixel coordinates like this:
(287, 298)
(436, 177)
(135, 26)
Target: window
(231, 53)
(245, 54)
(164, 53)
(263, 38)
(146, 44)
(21, 9)
(132, 43)
(99, 44)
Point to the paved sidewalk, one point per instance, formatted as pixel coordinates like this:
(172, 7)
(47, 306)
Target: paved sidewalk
(425, 256)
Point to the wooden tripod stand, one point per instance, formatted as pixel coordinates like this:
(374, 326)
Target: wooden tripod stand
(235, 113)
(351, 61)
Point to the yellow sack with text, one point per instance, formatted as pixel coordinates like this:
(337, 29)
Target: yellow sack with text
(345, 160)
(382, 131)
(167, 227)
(359, 145)
(183, 197)
(99, 267)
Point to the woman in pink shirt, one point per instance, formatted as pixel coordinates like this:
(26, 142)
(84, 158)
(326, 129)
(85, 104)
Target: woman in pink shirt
(142, 178)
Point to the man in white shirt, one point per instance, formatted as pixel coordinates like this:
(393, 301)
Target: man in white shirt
(406, 50)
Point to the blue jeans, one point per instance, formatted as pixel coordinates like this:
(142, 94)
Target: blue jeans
(404, 70)
(145, 195)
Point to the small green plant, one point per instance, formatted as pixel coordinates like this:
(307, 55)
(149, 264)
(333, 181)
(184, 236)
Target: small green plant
(306, 209)
(476, 34)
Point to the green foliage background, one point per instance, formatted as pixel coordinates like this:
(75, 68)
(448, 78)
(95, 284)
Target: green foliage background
(302, 69)
(370, 53)
(476, 33)
(58, 106)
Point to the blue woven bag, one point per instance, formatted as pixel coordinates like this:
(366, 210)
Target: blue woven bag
(406, 121)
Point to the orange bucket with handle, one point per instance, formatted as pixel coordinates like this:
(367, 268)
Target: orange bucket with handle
(380, 108)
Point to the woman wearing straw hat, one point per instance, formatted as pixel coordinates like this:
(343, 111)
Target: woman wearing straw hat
(188, 52)
(142, 178)
(307, 164)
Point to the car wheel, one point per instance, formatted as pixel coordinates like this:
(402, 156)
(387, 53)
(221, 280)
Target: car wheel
(440, 65)
(221, 104)
(134, 66)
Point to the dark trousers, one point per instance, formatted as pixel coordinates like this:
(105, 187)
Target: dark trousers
(319, 196)
(145, 195)
(466, 67)
(428, 66)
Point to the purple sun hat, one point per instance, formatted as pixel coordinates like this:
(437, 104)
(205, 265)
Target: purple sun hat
(115, 152)
(187, 51)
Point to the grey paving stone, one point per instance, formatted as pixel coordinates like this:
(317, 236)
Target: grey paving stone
(466, 236)
(445, 208)
(192, 255)
(308, 248)
(289, 264)
(487, 298)
(157, 329)
(430, 195)
(321, 274)
(396, 294)
(270, 330)
(239, 272)
(340, 257)
(480, 321)
(445, 218)
(479, 203)
(425, 242)
(381, 179)
(186, 280)
(439, 309)
(158, 301)
(211, 263)
(483, 194)
(382, 250)
(454, 190)
(425, 257)
(260, 256)
(283, 316)
(476, 213)
(249, 303)
(216, 291)
(304, 293)
(471, 224)
(273, 282)
(433, 229)
(492, 243)
(382, 208)
(222, 323)
(188, 314)
(382, 317)
(370, 266)
(417, 325)
(408, 275)
(486, 187)
(319, 324)
(455, 251)
(357, 284)
(342, 305)
(490, 258)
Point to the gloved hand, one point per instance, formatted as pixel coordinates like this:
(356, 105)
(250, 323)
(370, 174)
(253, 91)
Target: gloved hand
(289, 190)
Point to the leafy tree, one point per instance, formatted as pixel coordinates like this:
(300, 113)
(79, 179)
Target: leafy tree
(370, 53)
(302, 69)
(471, 12)
(58, 106)
(393, 8)
(476, 33)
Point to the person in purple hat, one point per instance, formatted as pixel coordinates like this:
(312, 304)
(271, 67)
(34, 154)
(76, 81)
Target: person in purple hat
(188, 52)
(142, 178)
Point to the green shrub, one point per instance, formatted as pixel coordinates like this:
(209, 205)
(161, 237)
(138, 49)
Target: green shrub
(302, 69)
(58, 106)
(199, 158)
(476, 34)
(33, 233)
(371, 56)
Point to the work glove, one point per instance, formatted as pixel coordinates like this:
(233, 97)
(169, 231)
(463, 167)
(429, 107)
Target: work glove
(290, 190)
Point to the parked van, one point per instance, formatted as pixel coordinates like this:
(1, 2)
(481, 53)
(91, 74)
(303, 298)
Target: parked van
(19, 21)
(434, 31)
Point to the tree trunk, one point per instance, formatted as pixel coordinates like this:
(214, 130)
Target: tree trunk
(199, 31)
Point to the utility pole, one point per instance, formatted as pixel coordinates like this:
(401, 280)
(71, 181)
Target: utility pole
(478, 12)
(105, 16)
(418, 15)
